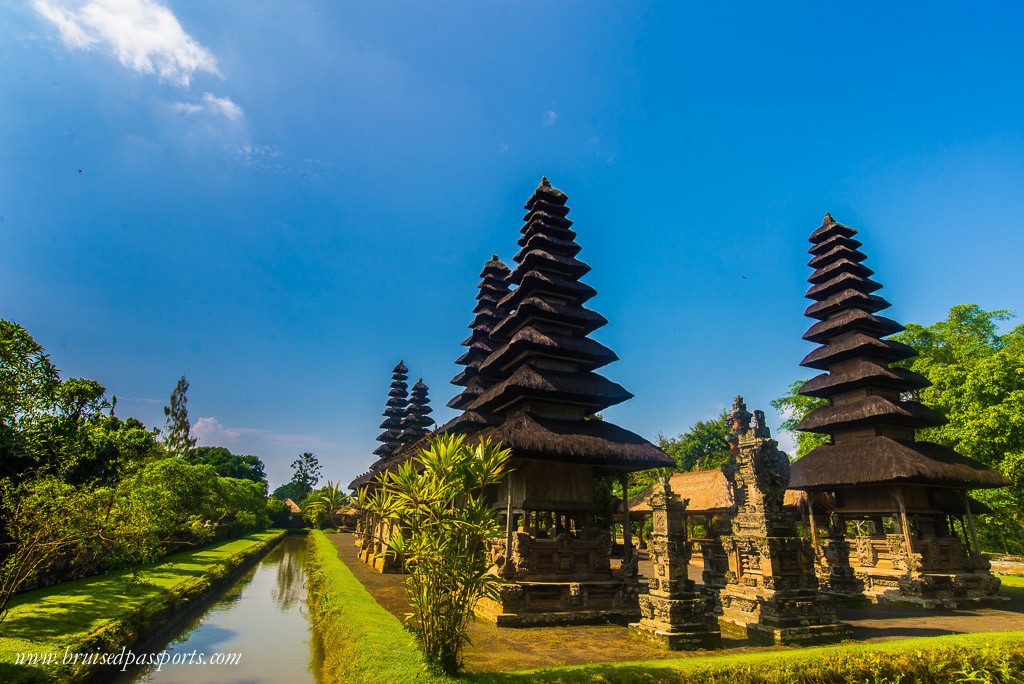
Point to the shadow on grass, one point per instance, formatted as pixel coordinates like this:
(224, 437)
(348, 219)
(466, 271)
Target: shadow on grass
(606, 674)
(19, 674)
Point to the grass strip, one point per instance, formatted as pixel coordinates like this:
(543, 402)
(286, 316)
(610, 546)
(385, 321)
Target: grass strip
(116, 609)
(1011, 582)
(362, 641)
(992, 657)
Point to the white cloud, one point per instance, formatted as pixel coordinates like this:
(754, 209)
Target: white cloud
(222, 105)
(210, 431)
(142, 34)
(550, 117)
(187, 108)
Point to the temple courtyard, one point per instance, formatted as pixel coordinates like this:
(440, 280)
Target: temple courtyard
(522, 648)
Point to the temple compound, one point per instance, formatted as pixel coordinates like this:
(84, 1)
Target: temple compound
(530, 384)
(673, 615)
(406, 425)
(768, 590)
(896, 497)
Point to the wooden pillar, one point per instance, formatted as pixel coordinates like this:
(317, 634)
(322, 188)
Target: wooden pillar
(970, 522)
(627, 530)
(810, 521)
(898, 495)
(508, 524)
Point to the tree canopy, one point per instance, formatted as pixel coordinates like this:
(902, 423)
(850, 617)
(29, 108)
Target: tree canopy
(227, 464)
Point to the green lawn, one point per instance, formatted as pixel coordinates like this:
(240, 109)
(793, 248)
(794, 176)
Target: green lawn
(47, 620)
(1013, 582)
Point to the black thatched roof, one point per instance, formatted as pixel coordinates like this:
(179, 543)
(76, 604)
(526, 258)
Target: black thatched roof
(862, 373)
(853, 345)
(394, 413)
(592, 442)
(593, 391)
(829, 228)
(883, 460)
(849, 321)
(870, 410)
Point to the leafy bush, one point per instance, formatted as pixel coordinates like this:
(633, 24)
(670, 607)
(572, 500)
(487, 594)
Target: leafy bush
(279, 513)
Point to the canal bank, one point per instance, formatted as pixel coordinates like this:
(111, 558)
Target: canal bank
(107, 613)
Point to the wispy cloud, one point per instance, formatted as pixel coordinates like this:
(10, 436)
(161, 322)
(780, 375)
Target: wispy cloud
(142, 34)
(211, 432)
(550, 117)
(218, 106)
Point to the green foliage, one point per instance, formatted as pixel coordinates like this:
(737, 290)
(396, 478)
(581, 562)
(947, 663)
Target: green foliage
(977, 378)
(319, 507)
(290, 490)
(228, 464)
(794, 407)
(177, 439)
(305, 475)
(28, 379)
(993, 658)
(702, 447)
(362, 642)
(438, 505)
(279, 513)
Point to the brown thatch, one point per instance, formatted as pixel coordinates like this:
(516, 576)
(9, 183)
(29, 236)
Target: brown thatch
(292, 506)
(845, 299)
(852, 319)
(593, 442)
(835, 268)
(884, 460)
(854, 345)
(830, 227)
(587, 353)
(862, 373)
(872, 410)
(570, 267)
(840, 282)
(547, 243)
(536, 308)
(594, 391)
(834, 242)
(535, 282)
(823, 260)
(709, 494)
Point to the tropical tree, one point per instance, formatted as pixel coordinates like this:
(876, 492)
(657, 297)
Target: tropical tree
(227, 464)
(437, 503)
(793, 407)
(319, 510)
(178, 439)
(305, 475)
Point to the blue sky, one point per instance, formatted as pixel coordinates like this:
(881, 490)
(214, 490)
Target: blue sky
(281, 200)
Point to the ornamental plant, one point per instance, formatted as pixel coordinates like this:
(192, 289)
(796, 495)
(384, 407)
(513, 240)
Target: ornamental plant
(442, 520)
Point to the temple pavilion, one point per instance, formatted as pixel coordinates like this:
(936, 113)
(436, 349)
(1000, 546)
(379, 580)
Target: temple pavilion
(530, 383)
(896, 498)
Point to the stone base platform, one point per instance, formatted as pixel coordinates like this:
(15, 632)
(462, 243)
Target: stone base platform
(931, 591)
(533, 604)
(676, 641)
(788, 636)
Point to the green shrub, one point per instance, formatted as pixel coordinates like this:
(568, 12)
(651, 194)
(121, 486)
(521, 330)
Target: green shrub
(279, 512)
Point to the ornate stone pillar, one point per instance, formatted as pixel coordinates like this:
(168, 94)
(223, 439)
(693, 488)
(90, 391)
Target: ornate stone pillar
(674, 617)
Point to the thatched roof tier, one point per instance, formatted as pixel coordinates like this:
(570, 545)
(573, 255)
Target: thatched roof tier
(870, 410)
(535, 309)
(846, 299)
(470, 421)
(842, 282)
(591, 442)
(854, 344)
(837, 254)
(589, 390)
(837, 267)
(852, 320)
(494, 269)
(583, 353)
(547, 243)
(834, 242)
(568, 267)
(394, 413)
(554, 198)
(464, 398)
(830, 227)
(883, 460)
(862, 373)
(417, 419)
(536, 283)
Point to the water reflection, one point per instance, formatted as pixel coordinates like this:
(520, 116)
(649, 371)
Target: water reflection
(262, 617)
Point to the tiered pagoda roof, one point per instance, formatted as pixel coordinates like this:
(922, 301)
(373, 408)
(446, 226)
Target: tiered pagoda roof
(394, 414)
(869, 419)
(493, 288)
(417, 415)
(540, 372)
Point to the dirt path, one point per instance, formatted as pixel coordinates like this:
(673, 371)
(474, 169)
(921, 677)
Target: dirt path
(533, 647)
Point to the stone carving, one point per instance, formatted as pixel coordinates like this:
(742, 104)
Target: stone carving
(672, 614)
(770, 591)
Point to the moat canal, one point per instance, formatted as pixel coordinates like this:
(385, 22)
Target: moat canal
(262, 617)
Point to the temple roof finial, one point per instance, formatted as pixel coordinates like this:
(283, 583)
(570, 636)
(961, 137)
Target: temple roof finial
(828, 219)
(544, 182)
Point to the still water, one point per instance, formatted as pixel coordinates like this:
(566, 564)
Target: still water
(261, 620)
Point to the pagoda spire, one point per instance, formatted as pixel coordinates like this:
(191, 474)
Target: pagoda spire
(493, 288)
(417, 420)
(394, 413)
(870, 419)
(543, 362)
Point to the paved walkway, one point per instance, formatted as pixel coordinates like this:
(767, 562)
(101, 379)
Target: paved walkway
(533, 647)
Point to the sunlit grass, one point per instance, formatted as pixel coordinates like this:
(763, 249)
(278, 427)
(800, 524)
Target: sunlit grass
(1012, 582)
(48, 619)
